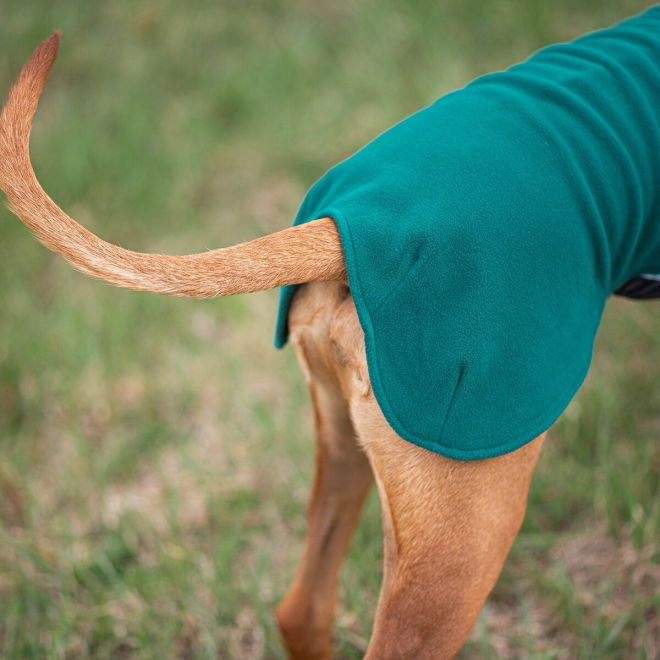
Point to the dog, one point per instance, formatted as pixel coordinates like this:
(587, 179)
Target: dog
(448, 524)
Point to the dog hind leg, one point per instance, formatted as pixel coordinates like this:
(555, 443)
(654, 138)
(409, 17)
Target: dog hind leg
(342, 480)
(448, 527)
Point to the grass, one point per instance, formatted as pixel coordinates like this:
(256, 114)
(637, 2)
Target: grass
(155, 454)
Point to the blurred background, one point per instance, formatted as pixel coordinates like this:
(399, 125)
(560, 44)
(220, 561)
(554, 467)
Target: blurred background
(156, 454)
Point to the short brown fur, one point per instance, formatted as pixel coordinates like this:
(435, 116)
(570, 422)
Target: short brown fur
(291, 256)
(448, 525)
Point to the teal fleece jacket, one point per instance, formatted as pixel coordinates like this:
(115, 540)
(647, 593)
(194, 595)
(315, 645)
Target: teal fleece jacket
(483, 234)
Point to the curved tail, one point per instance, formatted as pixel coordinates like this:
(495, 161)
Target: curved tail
(305, 253)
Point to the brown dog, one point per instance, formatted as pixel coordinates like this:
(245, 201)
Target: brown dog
(448, 525)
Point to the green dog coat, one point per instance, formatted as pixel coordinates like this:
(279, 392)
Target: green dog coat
(483, 234)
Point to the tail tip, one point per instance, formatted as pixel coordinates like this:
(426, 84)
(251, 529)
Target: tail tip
(33, 76)
(47, 49)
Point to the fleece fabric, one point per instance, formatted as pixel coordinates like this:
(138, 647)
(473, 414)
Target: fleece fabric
(483, 234)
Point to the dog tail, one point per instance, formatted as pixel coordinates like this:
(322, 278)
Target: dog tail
(306, 253)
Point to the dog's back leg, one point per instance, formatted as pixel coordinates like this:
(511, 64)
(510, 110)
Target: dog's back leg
(342, 480)
(448, 526)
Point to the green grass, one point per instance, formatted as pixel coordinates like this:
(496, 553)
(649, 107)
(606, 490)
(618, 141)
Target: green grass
(155, 454)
